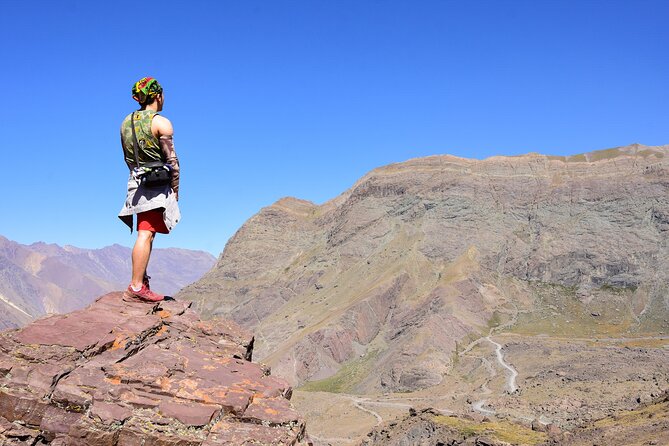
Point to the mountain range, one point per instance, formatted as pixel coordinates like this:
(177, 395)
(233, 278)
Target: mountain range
(45, 278)
(532, 287)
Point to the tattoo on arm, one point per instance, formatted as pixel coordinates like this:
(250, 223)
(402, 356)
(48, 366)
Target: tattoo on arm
(167, 146)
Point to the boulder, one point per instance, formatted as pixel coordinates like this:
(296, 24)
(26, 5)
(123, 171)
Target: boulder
(131, 373)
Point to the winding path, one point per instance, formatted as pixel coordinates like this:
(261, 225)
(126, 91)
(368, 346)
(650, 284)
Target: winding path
(478, 407)
(511, 386)
(357, 402)
(511, 380)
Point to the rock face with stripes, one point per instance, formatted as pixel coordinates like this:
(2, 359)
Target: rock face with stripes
(132, 373)
(379, 289)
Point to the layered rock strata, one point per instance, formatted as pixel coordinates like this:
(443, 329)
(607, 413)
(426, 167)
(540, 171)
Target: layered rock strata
(130, 373)
(383, 287)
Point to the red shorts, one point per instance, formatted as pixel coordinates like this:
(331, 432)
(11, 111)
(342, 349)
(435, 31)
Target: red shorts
(152, 221)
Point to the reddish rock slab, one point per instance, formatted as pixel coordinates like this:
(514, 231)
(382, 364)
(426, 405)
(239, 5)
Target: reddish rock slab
(41, 353)
(189, 413)
(174, 309)
(109, 413)
(86, 432)
(139, 431)
(140, 400)
(58, 421)
(20, 405)
(130, 373)
(81, 330)
(16, 434)
(147, 367)
(275, 411)
(37, 378)
(233, 399)
(271, 386)
(93, 326)
(80, 386)
(226, 329)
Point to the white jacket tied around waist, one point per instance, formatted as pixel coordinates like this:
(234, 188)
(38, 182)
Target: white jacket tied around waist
(141, 198)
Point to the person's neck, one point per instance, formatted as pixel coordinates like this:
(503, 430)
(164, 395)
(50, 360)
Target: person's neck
(153, 107)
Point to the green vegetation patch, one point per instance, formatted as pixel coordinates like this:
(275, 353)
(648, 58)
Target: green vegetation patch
(605, 154)
(653, 413)
(616, 289)
(498, 430)
(348, 376)
(558, 312)
(647, 152)
(495, 320)
(647, 343)
(498, 319)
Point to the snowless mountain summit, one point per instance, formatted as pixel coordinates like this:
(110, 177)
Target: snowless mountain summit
(528, 291)
(419, 258)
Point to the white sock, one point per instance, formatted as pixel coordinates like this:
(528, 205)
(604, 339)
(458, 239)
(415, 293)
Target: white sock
(135, 289)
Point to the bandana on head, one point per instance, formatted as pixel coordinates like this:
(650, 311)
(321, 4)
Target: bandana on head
(146, 89)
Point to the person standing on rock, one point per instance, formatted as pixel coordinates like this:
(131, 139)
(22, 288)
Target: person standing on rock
(153, 186)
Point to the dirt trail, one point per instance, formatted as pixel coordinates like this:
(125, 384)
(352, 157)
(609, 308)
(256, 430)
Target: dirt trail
(478, 407)
(357, 403)
(490, 388)
(511, 386)
(511, 380)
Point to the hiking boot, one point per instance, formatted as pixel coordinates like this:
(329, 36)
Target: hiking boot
(144, 294)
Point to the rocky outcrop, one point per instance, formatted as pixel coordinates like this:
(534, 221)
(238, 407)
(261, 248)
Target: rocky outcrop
(130, 373)
(426, 427)
(42, 278)
(418, 428)
(647, 424)
(419, 258)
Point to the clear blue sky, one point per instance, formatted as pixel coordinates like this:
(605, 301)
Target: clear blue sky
(301, 98)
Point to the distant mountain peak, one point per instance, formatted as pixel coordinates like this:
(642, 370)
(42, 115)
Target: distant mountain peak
(318, 282)
(44, 278)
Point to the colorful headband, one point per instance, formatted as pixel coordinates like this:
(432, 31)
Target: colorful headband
(146, 88)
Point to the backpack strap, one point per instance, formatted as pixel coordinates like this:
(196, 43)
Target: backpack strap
(134, 138)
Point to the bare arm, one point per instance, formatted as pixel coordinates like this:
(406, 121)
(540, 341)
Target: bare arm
(167, 146)
(162, 128)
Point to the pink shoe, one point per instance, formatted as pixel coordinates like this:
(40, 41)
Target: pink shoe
(144, 294)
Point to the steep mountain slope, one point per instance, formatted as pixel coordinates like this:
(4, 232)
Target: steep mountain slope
(383, 287)
(40, 278)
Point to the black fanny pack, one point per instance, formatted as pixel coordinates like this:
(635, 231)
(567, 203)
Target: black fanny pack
(156, 173)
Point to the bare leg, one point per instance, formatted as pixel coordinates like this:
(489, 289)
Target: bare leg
(141, 253)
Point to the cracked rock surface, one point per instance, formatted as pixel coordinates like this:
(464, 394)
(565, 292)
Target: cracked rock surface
(131, 373)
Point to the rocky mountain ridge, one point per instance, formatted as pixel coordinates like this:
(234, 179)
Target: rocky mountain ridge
(438, 280)
(420, 258)
(45, 278)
